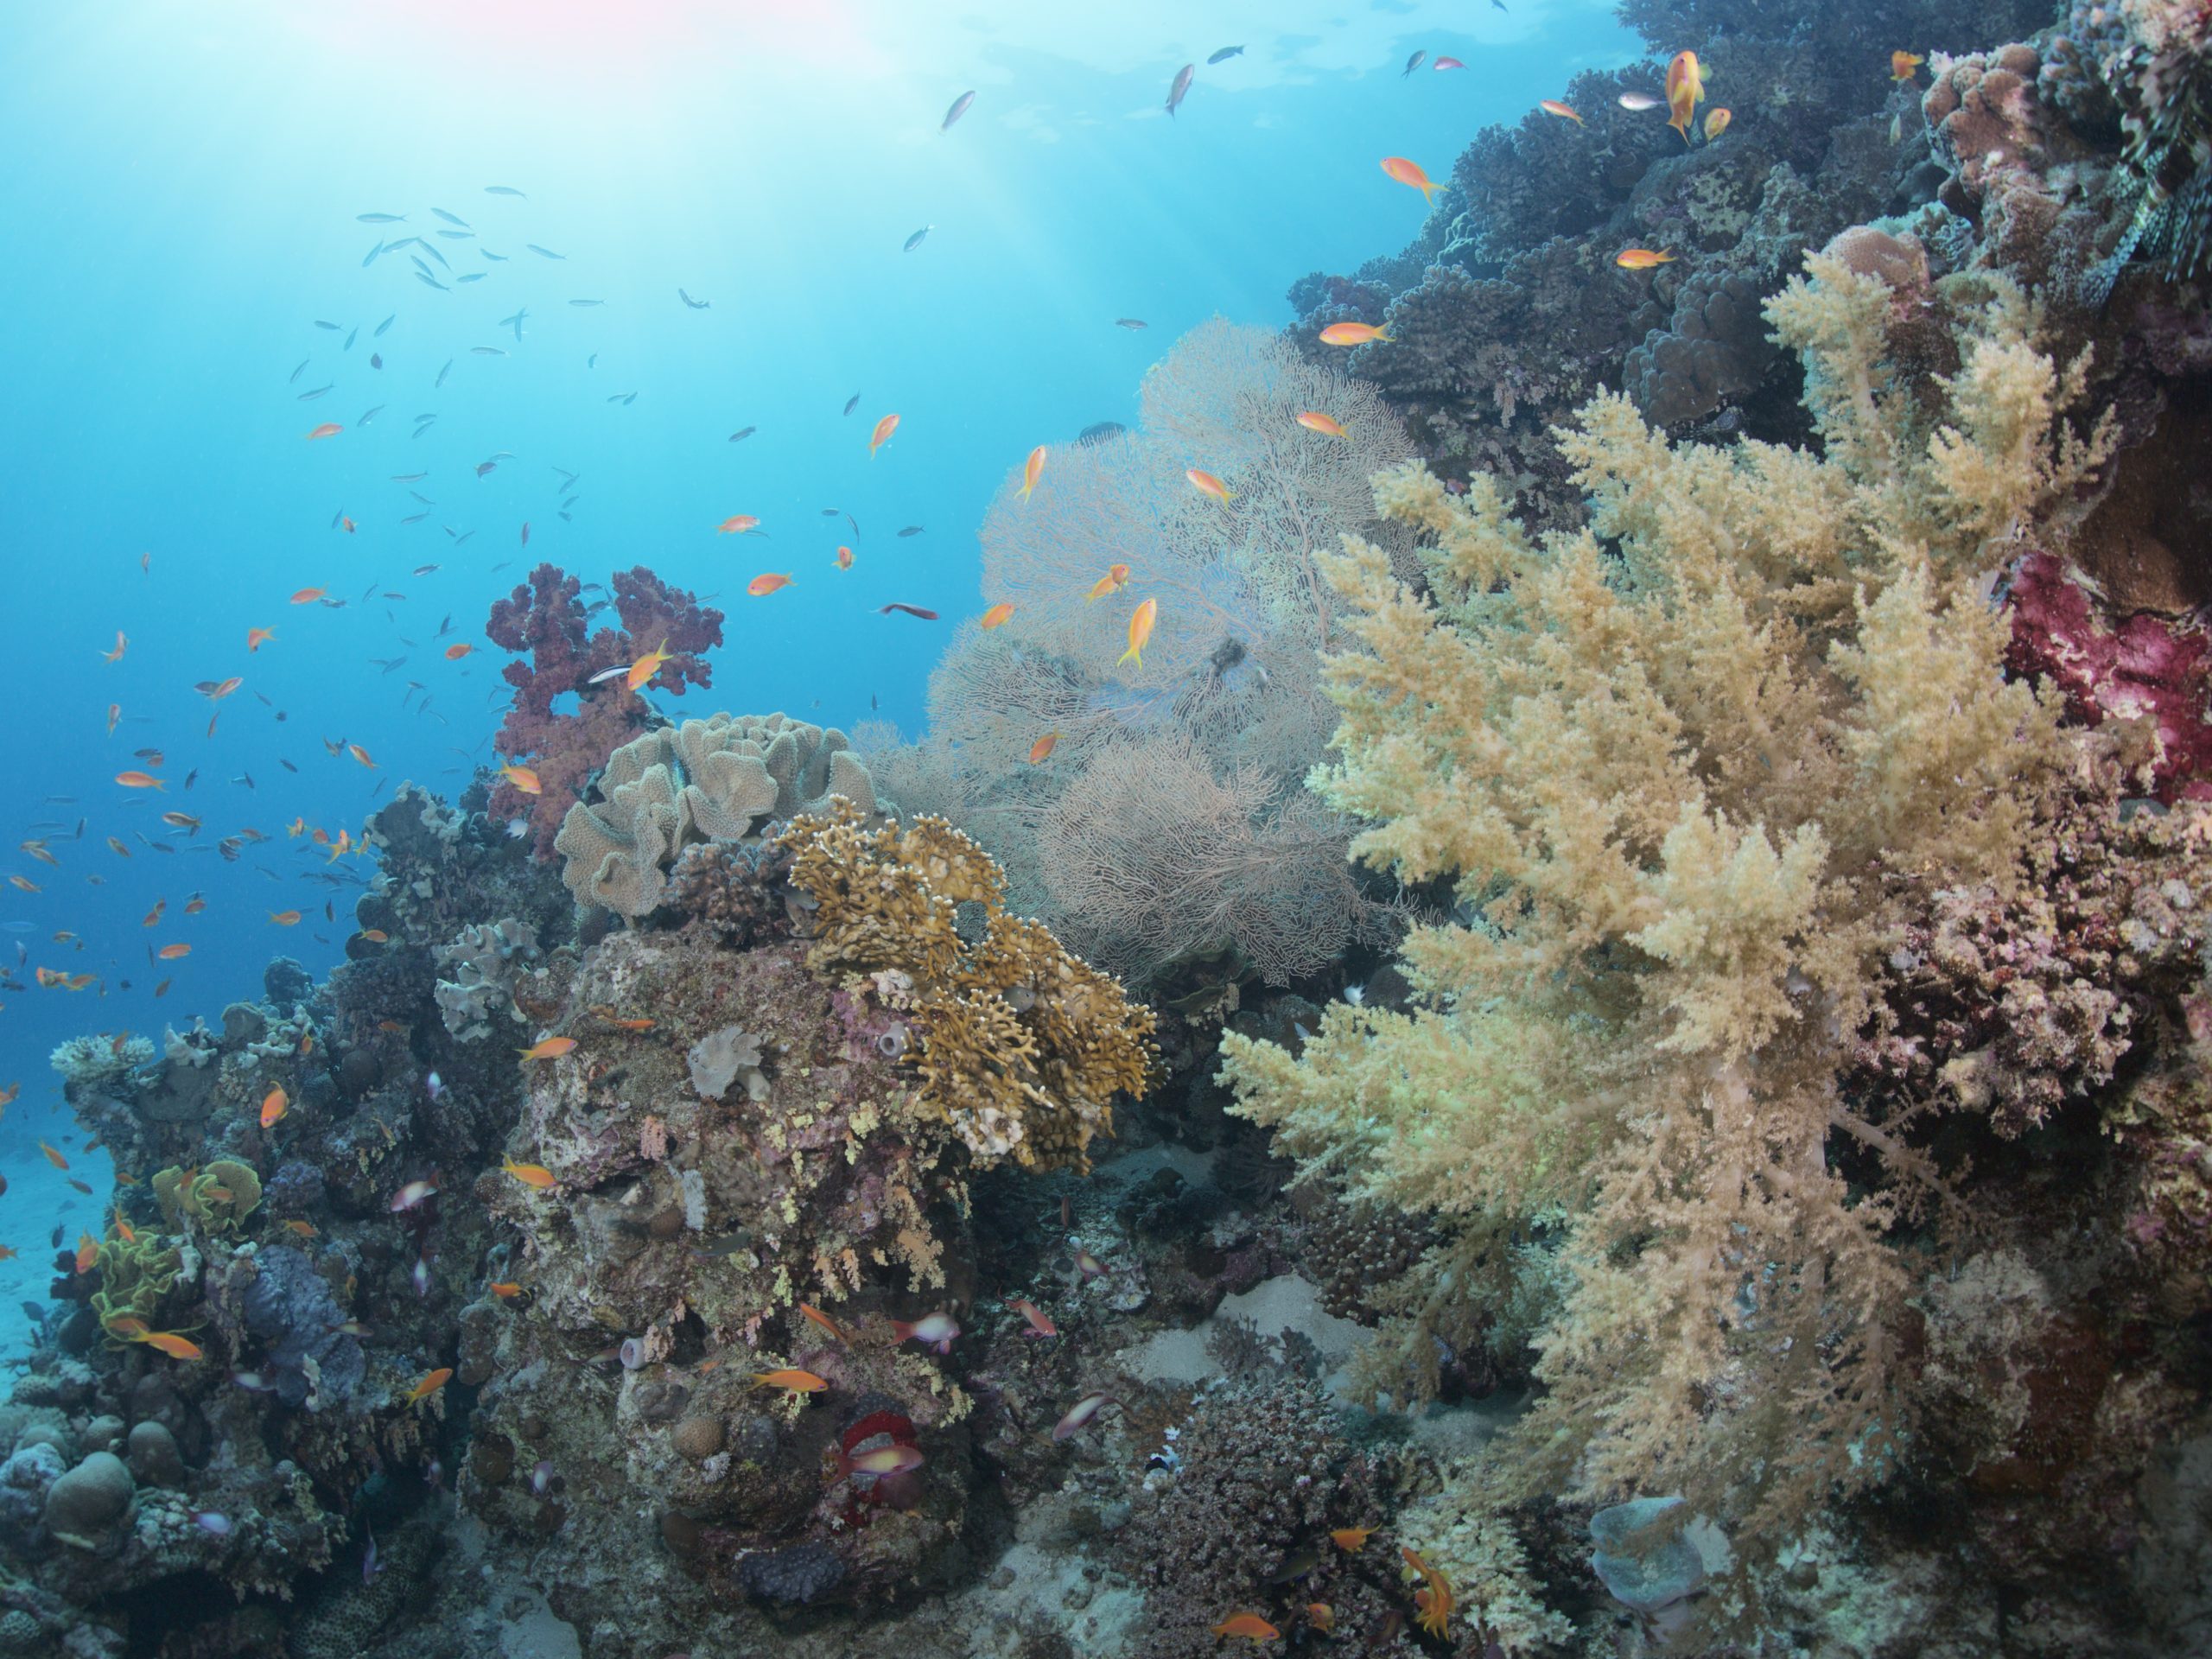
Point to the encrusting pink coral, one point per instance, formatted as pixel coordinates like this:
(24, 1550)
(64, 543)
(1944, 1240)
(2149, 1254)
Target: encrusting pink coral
(546, 617)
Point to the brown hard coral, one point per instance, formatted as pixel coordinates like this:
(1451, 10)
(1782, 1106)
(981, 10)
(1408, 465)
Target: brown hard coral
(1021, 1045)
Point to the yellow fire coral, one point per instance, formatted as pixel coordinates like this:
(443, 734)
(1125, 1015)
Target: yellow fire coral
(1021, 1045)
(1690, 770)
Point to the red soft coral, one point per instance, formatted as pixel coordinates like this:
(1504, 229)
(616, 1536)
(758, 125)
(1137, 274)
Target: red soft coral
(546, 617)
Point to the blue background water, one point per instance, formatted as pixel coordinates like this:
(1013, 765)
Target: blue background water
(181, 198)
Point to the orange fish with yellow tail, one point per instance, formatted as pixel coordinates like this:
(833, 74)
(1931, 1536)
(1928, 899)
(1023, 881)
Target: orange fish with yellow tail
(1140, 622)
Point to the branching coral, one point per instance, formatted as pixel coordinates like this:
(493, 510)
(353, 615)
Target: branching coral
(1022, 1046)
(1690, 784)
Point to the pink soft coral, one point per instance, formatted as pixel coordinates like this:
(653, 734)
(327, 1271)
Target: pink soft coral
(2142, 667)
(546, 617)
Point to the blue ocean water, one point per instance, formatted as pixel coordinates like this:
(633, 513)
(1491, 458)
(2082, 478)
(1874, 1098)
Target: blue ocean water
(186, 200)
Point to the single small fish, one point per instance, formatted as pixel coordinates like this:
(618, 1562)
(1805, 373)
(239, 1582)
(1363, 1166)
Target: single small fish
(1140, 621)
(881, 435)
(1225, 54)
(1081, 1414)
(1447, 63)
(881, 1462)
(918, 238)
(381, 219)
(959, 108)
(997, 616)
(1716, 122)
(765, 583)
(1565, 111)
(1904, 66)
(1206, 483)
(1413, 63)
(792, 1382)
(502, 190)
(1409, 173)
(1642, 258)
(450, 219)
(1131, 323)
(412, 1196)
(1314, 421)
(506, 1291)
(1685, 89)
(1352, 333)
(910, 530)
(378, 332)
(1636, 102)
(742, 433)
(550, 1048)
(852, 403)
(1088, 1265)
(1351, 1540)
(544, 253)
(1034, 1316)
(906, 610)
(274, 1105)
(1180, 89)
(167, 1341)
(327, 430)
(696, 305)
(1031, 470)
(430, 1383)
(818, 1317)
(936, 1331)
(530, 1175)
(581, 305)
(285, 918)
(844, 559)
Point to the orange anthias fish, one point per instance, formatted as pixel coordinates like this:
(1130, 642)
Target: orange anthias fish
(301, 1228)
(1314, 421)
(1409, 173)
(181, 820)
(139, 780)
(1904, 64)
(997, 616)
(1685, 89)
(308, 595)
(1034, 1316)
(88, 1252)
(1434, 1600)
(255, 638)
(1031, 470)
(1565, 111)
(195, 905)
(824, 1321)
(1351, 1540)
(1207, 484)
(1321, 1616)
(154, 915)
(274, 1105)
(1116, 579)
(523, 778)
(374, 936)
(736, 524)
(647, 666)
(1352, 333)
(122, 644)
(360, 754)
(767, 583)
(169, 1342)
(431, 1383)
(327, 430)
(23, 883)
(552, 1049)
(531, 1175)
(285, 918)
(792, 1382)
(506, 1290)
(1716, 122)
(171, 952)
(220, 689)
(1140, 621)
(454, 653)
(881, 435)
(845, 560)
(1642, 258)
(1041, 750)
(114, 714)
(1250, 1624)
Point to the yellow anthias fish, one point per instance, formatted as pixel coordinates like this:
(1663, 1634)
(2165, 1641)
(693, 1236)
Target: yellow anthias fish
(1116, 579)
(844, 558)
(646, 666)
(1031, 470)
(1716, 122)
(1685, 91)
(521, 778)
(997, 616)
(1140, 621)
(1409, 173)
(534, 1175)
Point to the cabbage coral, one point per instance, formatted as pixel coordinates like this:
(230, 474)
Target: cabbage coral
(1692, 770)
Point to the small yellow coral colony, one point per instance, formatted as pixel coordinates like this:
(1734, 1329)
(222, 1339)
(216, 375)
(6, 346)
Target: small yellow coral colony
(1022, 1047)
(1690, 770)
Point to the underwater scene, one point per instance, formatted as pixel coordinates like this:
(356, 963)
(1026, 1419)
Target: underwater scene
(1011, 831)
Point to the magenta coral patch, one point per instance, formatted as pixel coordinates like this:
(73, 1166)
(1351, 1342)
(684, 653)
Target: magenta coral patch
(2146, 667)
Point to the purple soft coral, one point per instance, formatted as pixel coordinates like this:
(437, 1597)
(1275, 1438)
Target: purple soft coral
(546, 617)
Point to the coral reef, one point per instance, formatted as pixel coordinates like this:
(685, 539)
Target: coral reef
(547, 617)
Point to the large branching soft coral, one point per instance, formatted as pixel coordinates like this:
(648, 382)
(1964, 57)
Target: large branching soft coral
(1691, 770)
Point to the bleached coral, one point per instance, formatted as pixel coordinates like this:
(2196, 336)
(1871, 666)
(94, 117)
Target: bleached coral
(1690, 781)
(96, 1059)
